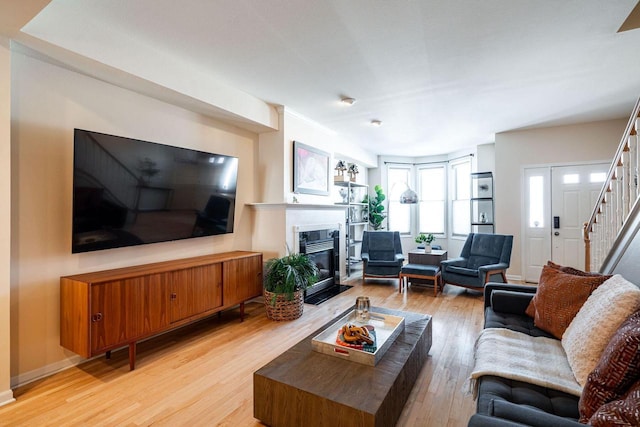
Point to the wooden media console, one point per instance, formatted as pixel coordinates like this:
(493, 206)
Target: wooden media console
(105, 310)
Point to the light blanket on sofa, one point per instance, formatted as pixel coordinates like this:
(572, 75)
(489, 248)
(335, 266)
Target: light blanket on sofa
(517, 356)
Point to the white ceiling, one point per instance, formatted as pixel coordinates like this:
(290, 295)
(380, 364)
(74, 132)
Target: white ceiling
(441, 75)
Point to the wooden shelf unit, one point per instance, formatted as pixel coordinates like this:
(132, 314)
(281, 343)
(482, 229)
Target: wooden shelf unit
(105, 310)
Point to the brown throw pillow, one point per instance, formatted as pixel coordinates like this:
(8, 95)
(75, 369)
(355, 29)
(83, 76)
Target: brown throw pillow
(574, 271)
(622, 412)
(531, 310)
(617, 370)
(559, 297)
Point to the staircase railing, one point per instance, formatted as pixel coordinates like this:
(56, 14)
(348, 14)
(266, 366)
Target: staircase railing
(617, 198)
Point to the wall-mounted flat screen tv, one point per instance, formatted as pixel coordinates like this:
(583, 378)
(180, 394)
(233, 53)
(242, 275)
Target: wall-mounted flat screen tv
(129, 192)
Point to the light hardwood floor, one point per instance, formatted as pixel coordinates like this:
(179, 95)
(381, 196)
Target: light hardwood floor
(202, 375)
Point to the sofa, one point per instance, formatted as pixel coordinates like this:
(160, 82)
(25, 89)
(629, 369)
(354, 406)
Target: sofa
(607, 396)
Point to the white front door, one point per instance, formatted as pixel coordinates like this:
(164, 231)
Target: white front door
(558, 200)
(574, 191)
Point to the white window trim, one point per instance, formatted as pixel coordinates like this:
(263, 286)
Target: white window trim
(452, 189)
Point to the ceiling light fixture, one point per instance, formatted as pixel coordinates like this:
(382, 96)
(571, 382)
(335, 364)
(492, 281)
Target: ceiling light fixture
(348, 101)
(376, 123)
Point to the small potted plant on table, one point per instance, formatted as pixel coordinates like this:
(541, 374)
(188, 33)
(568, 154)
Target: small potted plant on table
(286, 279)
(426, 240)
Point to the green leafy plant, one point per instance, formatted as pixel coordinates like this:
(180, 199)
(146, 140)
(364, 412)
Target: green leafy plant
(376, 207)
(290, 273)
(425, 238)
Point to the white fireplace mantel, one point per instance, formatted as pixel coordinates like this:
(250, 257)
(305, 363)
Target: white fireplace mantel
(302, 206)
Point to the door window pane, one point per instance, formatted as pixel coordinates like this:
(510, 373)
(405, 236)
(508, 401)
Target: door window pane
(571, 178)
(597, 177)
(536, 202)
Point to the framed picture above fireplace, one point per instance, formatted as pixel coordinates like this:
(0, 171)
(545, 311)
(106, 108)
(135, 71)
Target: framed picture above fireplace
(310, 170)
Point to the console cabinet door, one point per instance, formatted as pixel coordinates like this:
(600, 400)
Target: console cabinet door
(113, 319)
(126, 310)
(242, 279)
(195, 290)
(154, 312)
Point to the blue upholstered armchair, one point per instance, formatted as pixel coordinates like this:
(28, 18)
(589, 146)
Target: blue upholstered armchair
(484, 258)
(381, 254)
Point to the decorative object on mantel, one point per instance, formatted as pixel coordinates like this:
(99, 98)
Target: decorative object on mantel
(376, 207)
(310, 170)
(353, 171)
(340, 167)
(425, 239)
(286, 279)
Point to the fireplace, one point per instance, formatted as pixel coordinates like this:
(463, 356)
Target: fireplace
(305, 228)
(322, 247)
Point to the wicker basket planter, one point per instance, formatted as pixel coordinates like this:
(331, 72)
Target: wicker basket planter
(284, 308)
(285, 280)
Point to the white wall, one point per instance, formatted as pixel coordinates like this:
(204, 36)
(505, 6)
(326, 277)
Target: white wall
(298, 128)
(553, 145)
(6, 395)
(270, 179)
(486, 158)
(47, 103)
(275, 153)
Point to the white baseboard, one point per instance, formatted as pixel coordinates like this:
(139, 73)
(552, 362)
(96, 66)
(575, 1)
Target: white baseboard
(45, 371)
(6, 397)
(513, 278)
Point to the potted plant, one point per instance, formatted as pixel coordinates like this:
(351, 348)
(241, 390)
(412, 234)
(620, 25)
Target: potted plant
(425, 239)
(376, 208)
(285, 281)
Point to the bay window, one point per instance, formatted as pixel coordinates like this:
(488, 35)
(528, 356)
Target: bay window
(444, 193)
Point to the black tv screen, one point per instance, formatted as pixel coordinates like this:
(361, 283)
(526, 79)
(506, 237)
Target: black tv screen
(129, 192)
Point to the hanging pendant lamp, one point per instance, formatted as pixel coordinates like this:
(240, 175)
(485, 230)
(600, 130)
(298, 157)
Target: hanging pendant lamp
(409, 197)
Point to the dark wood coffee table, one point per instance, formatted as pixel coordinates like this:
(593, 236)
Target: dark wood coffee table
(305, 387)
